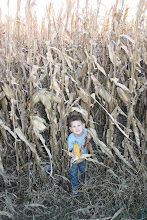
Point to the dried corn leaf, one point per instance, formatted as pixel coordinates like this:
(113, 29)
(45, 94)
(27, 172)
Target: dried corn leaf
(55, 85)
(34, 205)
(103, 93)
(103, 147)
(115, 80)
(136, 132)
(123, 96)
(117, 213)
(8, 91)
(98, 66)
(7, 128)
(24, 139)
(96, 161)
(66, 87)
(2, 95)
(61, 54)
(112, 54)
(80, 110)
(127, 37)
(118, 153)
(141, 128)
(114, 174)
(46, 148)
(33, 74)
(39, 123)
(133, 156)
(117, 111)
(83, 94)
(49, 56)
(95, 81)
(1, 166)
(68, 62)
(125, 48)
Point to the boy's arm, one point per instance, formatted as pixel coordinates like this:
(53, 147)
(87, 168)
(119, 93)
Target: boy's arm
(86, 140)
(71, 146)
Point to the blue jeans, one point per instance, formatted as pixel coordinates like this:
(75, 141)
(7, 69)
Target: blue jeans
(73, 174)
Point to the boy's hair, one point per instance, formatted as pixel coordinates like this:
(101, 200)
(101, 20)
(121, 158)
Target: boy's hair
(74, 117)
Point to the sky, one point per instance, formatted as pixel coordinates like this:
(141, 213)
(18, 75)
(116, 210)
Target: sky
(41, 6)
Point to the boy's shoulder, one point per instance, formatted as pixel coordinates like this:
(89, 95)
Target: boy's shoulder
(71, 136)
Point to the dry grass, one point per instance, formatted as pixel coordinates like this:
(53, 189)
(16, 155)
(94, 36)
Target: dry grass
(73, 62)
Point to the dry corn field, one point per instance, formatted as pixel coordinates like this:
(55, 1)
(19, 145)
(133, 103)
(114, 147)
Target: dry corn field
(73, 62)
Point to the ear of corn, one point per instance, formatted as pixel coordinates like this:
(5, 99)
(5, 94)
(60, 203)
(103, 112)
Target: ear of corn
(123, 96)
(39, 123)
(103, 93)
(76, 149)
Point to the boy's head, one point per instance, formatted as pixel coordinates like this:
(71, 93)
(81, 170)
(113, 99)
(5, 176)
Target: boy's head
(76, 124)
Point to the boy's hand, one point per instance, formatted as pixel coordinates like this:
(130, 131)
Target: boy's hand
(89, 136)
(73, 152)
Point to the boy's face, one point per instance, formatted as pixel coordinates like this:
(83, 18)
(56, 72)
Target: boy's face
(77, 127)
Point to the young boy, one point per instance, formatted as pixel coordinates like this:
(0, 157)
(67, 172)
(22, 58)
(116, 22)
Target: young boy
(79, 133)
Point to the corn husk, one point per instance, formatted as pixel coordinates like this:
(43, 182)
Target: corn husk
(115, 80)
(83, 94)
(35, 98)
(103, 93)
(45, 101)
(75, 159)
(55, 98)
(39, 123)
(95, 81)
(123, 96)
(45, 97)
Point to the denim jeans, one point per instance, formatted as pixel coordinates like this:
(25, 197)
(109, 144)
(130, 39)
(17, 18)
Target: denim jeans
(73, 174)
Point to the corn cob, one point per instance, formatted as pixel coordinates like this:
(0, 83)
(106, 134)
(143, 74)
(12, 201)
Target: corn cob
(76, 149)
